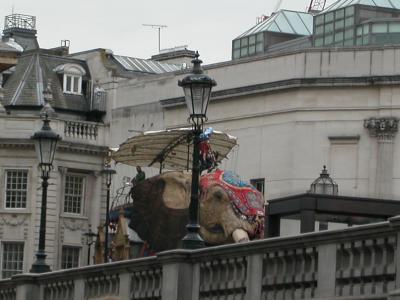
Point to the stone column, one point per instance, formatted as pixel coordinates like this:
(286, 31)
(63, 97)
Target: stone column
(384, 130)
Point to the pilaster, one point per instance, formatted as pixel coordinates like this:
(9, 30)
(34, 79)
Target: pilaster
(384, 130)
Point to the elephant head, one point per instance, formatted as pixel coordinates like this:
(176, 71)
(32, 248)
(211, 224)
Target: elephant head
(230, 210)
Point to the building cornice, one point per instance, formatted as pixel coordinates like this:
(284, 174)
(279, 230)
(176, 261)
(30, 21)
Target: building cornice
(291, 84)
(62, 146)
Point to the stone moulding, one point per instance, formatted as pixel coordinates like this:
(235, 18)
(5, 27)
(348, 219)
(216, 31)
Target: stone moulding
(291, 84)
(63, 146)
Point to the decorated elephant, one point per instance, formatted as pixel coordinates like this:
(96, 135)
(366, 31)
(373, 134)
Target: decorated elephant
(230, 209)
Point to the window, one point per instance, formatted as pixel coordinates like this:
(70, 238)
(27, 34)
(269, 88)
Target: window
(13, 259)
(259, 184)
(349, 21)
(70, 257)
(72, 84)
(329, 17)
(394, 27)
(350, 11)
(74, 194)
(72, 77)
(319, 20)
(319, 42)
(16, 188)
(339, 14)
(339, 36)
(379, 28)
(328, 39)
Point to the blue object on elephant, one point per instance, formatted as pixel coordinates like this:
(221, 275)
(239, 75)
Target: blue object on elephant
(206, 134)
(234, 179)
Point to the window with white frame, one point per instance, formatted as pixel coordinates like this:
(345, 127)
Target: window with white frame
(72, 84)
(70, 257)
(16, 187)
(12, 259)
(72, 75)
(74, 194)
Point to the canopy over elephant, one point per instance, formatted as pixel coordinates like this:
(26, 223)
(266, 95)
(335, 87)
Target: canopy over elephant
(230, 209)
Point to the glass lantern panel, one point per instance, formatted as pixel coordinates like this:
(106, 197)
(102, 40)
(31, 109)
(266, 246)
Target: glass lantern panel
(188, 98)
(47, 150)
(200, 97)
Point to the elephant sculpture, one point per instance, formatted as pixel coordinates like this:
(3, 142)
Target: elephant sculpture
(230, 210)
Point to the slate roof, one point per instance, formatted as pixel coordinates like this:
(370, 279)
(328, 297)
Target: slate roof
(394, 4)
(26, 84)
(284, 21)
(148, 66)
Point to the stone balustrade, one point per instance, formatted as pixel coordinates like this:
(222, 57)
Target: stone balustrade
(355, 263)
(71, 131)
(81, 130)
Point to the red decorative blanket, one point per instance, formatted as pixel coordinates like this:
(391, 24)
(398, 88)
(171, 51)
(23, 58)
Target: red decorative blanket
(246, 200)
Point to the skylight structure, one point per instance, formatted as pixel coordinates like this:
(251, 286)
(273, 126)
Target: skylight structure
(358, 22)
(282, 26)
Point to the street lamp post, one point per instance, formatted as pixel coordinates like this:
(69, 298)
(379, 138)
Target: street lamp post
(108, 172)
(45, 144)
(89, 235)
(197, 90)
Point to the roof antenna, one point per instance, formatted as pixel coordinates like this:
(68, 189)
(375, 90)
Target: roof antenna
(12, 9)
(277, 6)
(159, 27)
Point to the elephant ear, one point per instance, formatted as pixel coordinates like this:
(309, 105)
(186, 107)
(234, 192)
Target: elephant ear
(159, 215)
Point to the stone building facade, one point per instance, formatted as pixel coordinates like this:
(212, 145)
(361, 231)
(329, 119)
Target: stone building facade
(36, 80)
(294, 108)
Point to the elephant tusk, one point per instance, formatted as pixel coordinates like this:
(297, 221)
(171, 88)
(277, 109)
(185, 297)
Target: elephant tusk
(240, 236)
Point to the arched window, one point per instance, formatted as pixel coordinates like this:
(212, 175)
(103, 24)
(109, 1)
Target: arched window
(72, 78)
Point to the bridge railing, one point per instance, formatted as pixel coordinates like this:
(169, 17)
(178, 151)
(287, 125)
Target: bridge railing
(356, 263)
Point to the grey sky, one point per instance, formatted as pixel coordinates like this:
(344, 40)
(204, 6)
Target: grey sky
(208, 26)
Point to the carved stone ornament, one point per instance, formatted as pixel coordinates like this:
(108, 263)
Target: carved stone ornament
(382, 127)
(13, 220)
(74, 225)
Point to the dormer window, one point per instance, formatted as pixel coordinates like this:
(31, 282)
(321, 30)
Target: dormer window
(72, 84)
(72, 78)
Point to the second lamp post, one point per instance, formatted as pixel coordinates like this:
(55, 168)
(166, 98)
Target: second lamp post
(45, 145)
(108, 172)
(197, 89)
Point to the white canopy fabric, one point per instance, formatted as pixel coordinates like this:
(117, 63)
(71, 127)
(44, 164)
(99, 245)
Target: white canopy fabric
(169, 149)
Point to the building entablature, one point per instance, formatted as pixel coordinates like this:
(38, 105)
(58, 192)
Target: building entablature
(362, 66)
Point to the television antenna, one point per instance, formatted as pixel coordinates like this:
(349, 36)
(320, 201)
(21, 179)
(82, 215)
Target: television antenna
(277, 5)
(316, 5)
(159, 27)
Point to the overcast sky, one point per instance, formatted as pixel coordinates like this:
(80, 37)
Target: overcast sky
(207, 26)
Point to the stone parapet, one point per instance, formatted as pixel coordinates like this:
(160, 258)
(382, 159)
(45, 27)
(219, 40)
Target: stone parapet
(354, 263)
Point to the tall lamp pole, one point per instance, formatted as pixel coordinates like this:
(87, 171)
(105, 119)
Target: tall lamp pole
(197, 89)
(45, 144)
(108, 172)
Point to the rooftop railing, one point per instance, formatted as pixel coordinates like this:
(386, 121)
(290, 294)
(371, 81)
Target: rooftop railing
(355, 263)
(20, 21)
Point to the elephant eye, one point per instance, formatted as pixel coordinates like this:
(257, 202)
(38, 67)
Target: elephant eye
(219, 195)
